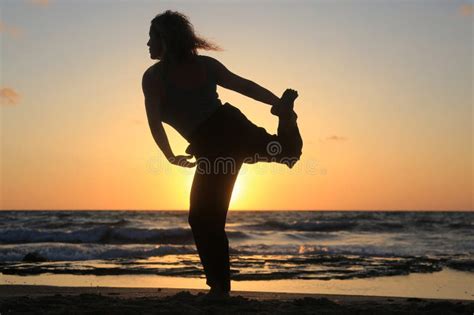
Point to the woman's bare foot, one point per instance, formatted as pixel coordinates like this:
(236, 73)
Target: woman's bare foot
(215, 294)
(284, 109)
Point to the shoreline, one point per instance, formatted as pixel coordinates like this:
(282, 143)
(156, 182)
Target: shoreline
(446, 284)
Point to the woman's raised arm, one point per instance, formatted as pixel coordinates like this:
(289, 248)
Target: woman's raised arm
(231, 81)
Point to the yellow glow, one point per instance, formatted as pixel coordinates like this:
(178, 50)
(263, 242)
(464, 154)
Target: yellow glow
(237, 200)
(236, 193)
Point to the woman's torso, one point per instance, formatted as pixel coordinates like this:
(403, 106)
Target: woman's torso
(190, 94)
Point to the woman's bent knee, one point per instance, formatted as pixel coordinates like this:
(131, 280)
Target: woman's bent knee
(289, 161)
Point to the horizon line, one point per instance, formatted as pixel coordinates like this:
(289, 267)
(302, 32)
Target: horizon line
(261, 210)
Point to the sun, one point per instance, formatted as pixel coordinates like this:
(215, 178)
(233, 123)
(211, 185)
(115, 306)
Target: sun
(240, 195)
(238, 198)
(236, 192)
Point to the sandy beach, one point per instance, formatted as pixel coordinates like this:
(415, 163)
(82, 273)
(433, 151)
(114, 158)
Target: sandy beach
(34, 299)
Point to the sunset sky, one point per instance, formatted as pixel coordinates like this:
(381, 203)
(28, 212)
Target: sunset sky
(385, 103)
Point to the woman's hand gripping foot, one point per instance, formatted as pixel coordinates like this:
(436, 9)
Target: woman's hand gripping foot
(284, 108)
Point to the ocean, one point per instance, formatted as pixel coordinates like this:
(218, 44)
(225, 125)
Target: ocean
(264, 245)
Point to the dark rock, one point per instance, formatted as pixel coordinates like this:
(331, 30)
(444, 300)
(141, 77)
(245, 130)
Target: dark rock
(34, 257)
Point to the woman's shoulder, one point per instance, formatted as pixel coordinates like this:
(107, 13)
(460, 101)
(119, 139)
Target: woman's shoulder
(211, 63)
(151, 78)
(154, 73)
(153, 70)
(208, 59)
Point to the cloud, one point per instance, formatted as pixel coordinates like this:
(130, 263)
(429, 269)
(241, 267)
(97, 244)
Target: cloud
(336, 138)
(12, 31)
(466, 9)
(42, 3)
(9, 96)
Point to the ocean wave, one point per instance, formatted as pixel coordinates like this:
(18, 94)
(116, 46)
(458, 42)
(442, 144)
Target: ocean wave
(104, 235)
(349, 225)
(81, 252)
(91, 251)
(363, 250)
(304, 226)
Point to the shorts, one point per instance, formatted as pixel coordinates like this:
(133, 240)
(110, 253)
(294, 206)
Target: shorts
(229, 133)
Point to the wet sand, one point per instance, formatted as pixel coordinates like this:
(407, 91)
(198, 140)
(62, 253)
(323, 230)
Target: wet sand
(34, 299)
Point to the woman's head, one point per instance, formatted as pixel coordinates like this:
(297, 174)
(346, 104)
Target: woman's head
(172, 38)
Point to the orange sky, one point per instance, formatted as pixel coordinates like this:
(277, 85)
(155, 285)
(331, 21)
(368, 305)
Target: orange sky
(385, 106)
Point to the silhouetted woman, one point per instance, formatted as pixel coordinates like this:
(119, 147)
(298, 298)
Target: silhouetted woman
(180, 90)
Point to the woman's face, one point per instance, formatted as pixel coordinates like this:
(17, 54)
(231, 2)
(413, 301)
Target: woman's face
(156, 45)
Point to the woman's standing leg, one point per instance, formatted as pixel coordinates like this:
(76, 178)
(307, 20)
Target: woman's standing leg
(211, 192)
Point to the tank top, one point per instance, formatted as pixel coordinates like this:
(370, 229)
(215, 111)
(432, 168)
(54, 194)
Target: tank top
(186, 108)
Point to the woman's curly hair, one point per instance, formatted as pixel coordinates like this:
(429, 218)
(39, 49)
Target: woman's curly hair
(178, 34)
